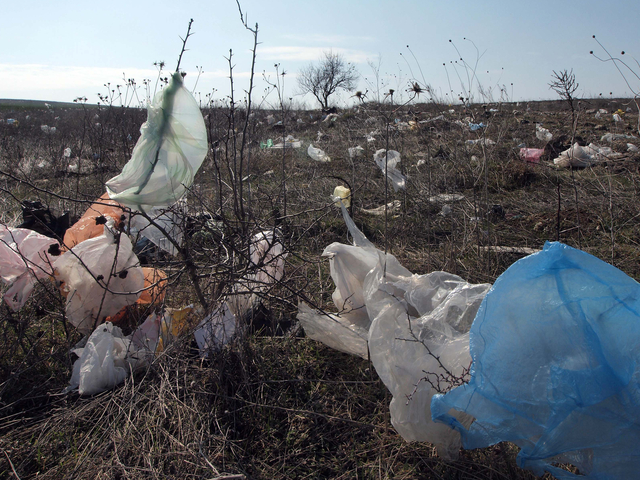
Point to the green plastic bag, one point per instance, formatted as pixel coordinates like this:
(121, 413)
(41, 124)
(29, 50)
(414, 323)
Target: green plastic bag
(169, 152)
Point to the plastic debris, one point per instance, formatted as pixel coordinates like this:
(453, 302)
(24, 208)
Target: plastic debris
(417, 330)
(555, 367)
(476, 126)
(543, 134)
(289, 142)
(481, 141)
(317, 154)
(170, 150)
(267, 255)
(580, 157)
(391, 207)
(343, 194)
(392, 158)
(446, 198)
(632, 148)
(39, 218)
(616, 117)
(67, 152)
(24, 258)
(99, 277)
(267, 144)
(106, 360)
(531, 155)
(47, 129)
(91, 224)
(611, 137)
(355, 152)
(168, 220)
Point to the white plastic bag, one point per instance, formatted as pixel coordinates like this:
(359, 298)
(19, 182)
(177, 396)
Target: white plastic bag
(168, 220)
(543, 134)
(580, 157)
(396, 178)
(317, 154)
(24, 259)
(101, 275)
(170, 150)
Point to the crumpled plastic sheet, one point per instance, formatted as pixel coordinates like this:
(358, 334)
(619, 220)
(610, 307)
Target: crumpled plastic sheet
(266, 252)
(415, 328)
(397, 179)
(87, 227)
(24, 259)
(556, 367)
(580, 157)
(543, 134)
(317, 154)
(100, 276)
(106, 360)
(168, 220)
(169, 152)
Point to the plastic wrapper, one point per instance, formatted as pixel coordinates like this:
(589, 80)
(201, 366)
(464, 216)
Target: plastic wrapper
(317, 154)
(556, 367)
(531, 155)
(24, 258)
(397, 179)
(170, 150)
(99, 277)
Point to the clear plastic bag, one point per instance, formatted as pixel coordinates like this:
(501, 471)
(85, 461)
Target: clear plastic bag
(170, 150)
(394, 175)
(317, 154)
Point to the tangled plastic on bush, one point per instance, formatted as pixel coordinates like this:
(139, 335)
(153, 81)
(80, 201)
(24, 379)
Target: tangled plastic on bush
(170, 150)
(413, 327)
(392, 158)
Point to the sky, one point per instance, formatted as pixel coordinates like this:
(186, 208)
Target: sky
(62, 50)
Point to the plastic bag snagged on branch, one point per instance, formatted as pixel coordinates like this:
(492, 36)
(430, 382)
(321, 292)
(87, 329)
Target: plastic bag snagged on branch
(556, 367)
(170, 150)
(416, 327)
(100, 276)
(267, 257)
(24, 258)
(396, 178)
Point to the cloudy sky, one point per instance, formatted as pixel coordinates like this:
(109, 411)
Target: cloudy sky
(65, 49)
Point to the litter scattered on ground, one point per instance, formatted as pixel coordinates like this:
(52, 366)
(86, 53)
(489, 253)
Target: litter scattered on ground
(543, 134)
(632, 148)
(170, 150)
(446, 198)
(503, 249)
(555, 367)
(39, 218)
(611, 137)
(355, 152)
(48, 130)
(481, 141)
(391, 158)
(391, 207)
(531, 155)
(317, 154)
(580, 157)
(289, 142)
(476, 126)
(168, 220)
(267, 144)
(25, 257)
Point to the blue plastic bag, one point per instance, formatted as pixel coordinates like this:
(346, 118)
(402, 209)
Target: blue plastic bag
(556, 367)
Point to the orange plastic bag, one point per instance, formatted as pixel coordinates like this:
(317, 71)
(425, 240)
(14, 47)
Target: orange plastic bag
(87, 228)
(155, 284)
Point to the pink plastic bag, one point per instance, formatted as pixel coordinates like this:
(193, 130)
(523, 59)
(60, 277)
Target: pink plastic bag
(531, 155)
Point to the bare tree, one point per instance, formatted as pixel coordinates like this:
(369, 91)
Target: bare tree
(565, 85)
(331, 74)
